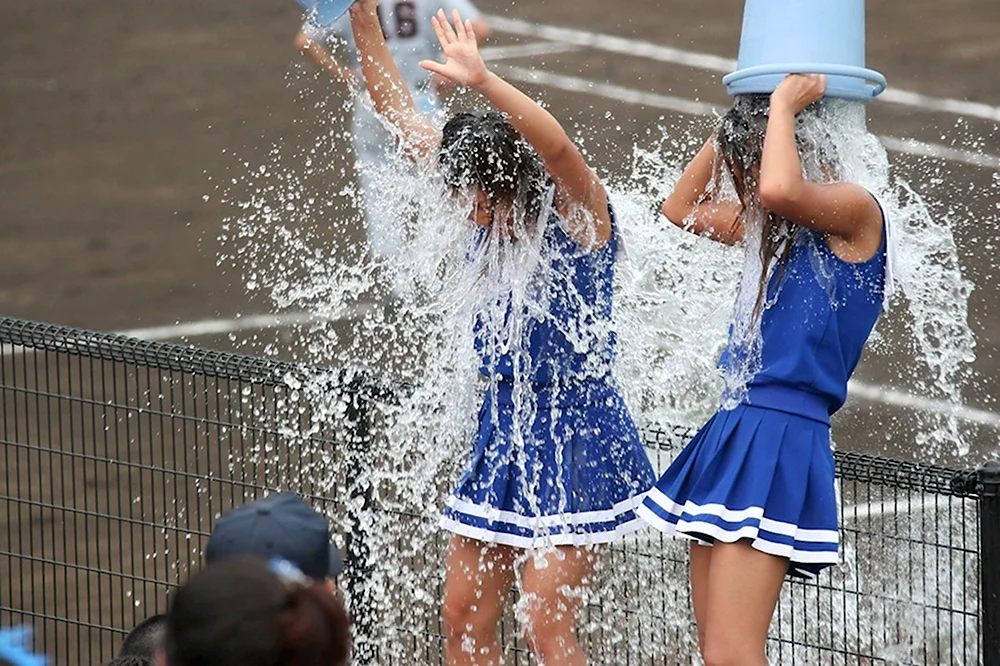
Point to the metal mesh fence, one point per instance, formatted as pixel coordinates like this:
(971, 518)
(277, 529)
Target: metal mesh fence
(118, 454)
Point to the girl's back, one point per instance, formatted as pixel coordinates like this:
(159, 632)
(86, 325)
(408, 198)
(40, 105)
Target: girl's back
(821, 310)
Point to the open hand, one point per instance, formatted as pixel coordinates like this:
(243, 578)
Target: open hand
(463, 64)
(797, 91)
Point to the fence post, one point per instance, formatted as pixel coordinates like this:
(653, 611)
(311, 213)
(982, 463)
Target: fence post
(359, 568)
(989, 559)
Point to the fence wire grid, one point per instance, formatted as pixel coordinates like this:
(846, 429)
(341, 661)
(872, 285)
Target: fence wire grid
(120, 453)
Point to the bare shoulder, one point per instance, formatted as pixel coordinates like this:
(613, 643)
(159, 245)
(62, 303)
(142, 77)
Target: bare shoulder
(862, 224)
(588, 222)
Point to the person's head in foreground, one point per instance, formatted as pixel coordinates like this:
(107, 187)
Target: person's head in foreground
(740, 143)
(251, 612)
(131, 660)
(146, 639)
(280, 525)
(15, 649)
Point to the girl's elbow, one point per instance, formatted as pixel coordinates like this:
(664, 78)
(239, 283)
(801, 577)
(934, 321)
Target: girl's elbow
(303, 43)
(776, 196)
(558, 153)
(674, 213)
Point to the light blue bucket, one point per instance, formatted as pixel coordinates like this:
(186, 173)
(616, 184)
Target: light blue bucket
(783, 37)
(325, 12)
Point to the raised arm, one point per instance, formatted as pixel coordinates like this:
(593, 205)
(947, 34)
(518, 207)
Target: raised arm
(582, 199)
(690, 207)
(315, 51)
(842, 210)
(388, 90)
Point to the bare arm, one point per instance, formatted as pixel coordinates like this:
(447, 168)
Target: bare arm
(388, 90)
(689, 205)
(582, 198)
(843, 210)
(482, 29)
(316, 52)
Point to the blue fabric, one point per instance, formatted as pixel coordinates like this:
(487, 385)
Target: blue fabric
(757, 474)
(15, 649)
(764, 470)
(814, 333)
(580, 296)
(570, 473)
(566, 466)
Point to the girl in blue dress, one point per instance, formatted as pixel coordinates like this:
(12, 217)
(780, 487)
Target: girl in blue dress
(557, 466)
(754, 490)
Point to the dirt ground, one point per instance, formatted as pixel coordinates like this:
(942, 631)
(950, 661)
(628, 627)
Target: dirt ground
(115, 115)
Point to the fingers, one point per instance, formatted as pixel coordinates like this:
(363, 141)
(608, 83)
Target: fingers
(435, 67)
(460, 28)
(812, 82)
(815, 86)
(449, 31)
(820, 80)
(439, 31)
(798, 91)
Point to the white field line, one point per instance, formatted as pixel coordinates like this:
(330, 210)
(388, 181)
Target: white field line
(940, 152)
(611, 44)
(609, 91)
(887, 396)
(218, 326)
(196, 329)
(533, 49)
(895, 508)
(680, 105)
(713, 63)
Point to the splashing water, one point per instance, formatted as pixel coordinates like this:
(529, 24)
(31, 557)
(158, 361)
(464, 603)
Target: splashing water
(410, 318)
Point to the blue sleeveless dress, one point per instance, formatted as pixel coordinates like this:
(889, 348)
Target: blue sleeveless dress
(570, 468)
(764, 470)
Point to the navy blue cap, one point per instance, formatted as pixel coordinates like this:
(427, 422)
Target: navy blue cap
(280, 525)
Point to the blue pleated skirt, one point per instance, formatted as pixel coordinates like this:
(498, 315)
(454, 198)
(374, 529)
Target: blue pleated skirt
(758, 474)
(570, 473)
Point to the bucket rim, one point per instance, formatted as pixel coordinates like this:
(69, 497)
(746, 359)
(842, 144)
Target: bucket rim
(876, 80)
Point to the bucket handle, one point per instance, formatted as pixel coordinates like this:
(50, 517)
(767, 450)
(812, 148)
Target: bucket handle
(875, 79)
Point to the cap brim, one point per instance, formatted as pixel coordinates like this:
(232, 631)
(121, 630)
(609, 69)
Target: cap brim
(336, 562)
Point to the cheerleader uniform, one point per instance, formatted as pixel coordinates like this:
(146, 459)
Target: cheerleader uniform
(557, 459)
(764, 470)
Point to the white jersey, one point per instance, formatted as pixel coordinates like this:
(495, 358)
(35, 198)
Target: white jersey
(406, 25)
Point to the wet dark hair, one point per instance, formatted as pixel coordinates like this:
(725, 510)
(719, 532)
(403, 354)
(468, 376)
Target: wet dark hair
(130, 660)
(239, 613)
(145, 639)
(740, 143)
(485, 152)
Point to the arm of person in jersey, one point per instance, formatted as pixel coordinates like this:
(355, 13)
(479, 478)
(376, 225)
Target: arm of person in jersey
(581, 198)
(389, 92)
(311, 45)
(845, 212)
(692, 207)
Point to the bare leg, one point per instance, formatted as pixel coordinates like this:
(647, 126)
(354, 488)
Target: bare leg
(478, 577)
(743, 589)
(701, 558)
(552, 586)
